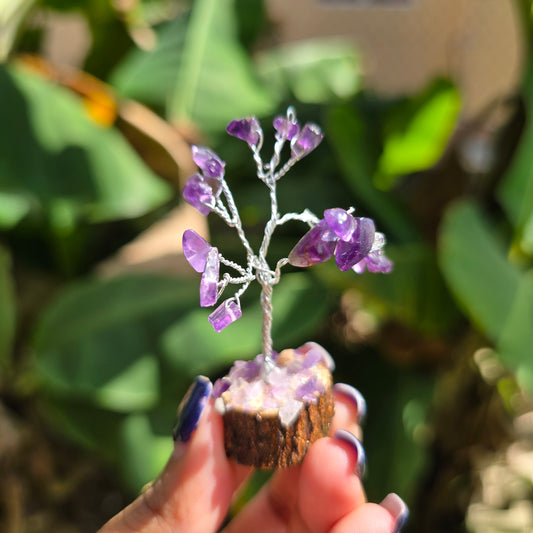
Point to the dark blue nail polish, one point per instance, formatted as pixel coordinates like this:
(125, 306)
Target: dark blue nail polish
(398, 509)
(355, 443)
(355, 396)
(191, 408)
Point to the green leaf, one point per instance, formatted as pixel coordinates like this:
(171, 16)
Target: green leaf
(150, 76)
(198, 71)
(516, 336)
(300, 305)
(215, 82)
(417, 133)
(476, 268)
(13, 208)
(314, 71)
(67, 163)
(131, 444)
(7, 309)
(357, 153)
(100, 340)
(516, 189)
(495, 294)
(143, 453)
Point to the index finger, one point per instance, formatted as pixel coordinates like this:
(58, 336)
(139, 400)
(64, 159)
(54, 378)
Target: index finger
(194, 491)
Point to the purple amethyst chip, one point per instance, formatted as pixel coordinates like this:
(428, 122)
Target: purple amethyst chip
(376, 262)
(198, 193)
(209, 281)
(310, 390)
(309, 137)
(247, 129)
(313, 347)
(220, 386)
(316, 246)
(195, 249)
(247, 370)
(285, 128)
(225, 314)
(208, 161)
(341, 222)
(349, 253)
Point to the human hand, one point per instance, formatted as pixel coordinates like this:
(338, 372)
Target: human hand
(322, 495)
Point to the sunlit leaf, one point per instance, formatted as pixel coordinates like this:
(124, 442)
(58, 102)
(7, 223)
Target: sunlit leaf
(13, 208)
(151, 76)
(314, 71)
(357, 153)
(418, 133)
(475, 266)
(100, 340)
(516, 336)
(198, 71)
(54, 157)
(131, 444)
(516, 189)
(494, 293)
(215, 82)
(143, 453)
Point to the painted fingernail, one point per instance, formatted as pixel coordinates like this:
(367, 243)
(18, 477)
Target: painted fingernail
(398, 509)
(355, 443)
(354, 396)
(191, 408)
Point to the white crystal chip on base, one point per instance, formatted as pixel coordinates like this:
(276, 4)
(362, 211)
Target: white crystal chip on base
(298, 377)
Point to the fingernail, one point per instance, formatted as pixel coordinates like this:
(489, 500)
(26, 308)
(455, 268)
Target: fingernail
(355, 443)
(398, 509)
(353, 395)
(191, 408)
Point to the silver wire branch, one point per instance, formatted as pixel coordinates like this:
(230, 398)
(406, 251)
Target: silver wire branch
(276, 157)
(240, 292)
(227, 279)
(236, 220)
(308, 217)
(256, 151)
(220, 209)
(266, 304)
(259, 163)
(257, 265)
(271, 224)
(233, 265)
(277, 273)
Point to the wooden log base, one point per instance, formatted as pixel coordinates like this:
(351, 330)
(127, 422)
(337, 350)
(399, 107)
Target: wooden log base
(261, 441)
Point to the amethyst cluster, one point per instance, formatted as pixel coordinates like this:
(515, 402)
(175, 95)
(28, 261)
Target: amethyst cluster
(353, 241)
(298, 377)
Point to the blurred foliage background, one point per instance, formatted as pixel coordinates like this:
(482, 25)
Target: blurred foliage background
(100, 329)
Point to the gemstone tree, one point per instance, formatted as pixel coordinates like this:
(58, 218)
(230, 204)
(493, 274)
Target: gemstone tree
(352, 240)
(275, 405)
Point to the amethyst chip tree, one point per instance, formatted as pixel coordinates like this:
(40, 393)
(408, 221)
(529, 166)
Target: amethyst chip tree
(279, 403)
